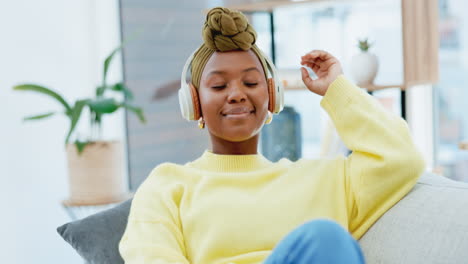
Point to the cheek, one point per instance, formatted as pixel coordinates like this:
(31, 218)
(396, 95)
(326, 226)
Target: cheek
(261, 101)
(209, 104)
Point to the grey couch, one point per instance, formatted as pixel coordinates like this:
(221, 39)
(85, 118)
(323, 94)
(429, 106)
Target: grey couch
(429, 225)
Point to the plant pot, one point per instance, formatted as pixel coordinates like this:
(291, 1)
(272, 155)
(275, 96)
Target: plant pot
(96, 176)
(364, 68)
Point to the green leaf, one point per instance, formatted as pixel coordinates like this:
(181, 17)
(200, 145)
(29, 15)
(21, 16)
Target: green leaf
(103, 105)
(75, 116)
(80, 145)
(121, 87)
(364, 45)
(137, 110)
(100, 90)
(43, 90)
(108, 60)
(37, 117)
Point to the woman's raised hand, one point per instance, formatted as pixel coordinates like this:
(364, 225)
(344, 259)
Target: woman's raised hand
(326, 67)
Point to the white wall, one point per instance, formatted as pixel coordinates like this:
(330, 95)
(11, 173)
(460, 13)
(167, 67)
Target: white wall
(420, 117)
(59, 44)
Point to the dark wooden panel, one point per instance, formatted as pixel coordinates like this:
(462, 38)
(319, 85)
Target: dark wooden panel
(170, 31)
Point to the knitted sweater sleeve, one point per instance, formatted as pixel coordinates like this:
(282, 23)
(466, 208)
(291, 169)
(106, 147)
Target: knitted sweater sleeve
(384, 164)
(153, 234)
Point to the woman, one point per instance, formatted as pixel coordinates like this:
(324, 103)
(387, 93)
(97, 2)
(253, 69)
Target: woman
(232, 205)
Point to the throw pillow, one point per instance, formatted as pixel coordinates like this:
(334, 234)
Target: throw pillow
(96, 238)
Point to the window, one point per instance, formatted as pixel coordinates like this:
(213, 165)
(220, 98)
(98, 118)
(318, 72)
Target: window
(451, 93)
(335, 27)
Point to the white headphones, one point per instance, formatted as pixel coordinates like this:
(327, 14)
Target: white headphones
(188, 94)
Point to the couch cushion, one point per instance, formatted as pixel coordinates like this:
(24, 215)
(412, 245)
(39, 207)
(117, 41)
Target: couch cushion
(96, 237)
(429, 225)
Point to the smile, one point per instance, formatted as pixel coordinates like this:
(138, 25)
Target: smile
(238, 113)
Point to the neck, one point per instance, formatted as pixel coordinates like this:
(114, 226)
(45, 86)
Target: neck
(224, 147)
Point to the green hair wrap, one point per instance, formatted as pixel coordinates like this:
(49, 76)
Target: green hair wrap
(224, 30)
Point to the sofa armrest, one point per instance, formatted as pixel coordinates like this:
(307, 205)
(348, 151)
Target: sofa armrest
(429, 225)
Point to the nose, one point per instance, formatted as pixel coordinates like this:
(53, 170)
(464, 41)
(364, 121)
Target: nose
(236, 94)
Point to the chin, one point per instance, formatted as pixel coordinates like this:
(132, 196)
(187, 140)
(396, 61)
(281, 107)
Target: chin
(239, 135)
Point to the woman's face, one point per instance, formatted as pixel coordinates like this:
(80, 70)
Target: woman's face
(234, 95)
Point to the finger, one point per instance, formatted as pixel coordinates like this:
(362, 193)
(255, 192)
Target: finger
(323, 55)
(326, 64)
(329, 63)
(316, 61)
(318, 54)
(312, 55)
(309, 57)
(314, 66)
(306, 78)
(323, 65)
(309, 63)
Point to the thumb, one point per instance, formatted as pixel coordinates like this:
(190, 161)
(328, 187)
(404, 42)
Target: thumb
(307, 80)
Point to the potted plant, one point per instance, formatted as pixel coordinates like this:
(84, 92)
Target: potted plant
(364, 64)
(95, 166)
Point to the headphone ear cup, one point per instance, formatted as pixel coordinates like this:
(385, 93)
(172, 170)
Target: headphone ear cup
(271, 95)
(195, 102)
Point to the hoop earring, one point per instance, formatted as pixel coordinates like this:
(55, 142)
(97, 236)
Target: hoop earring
(201, 123)
(269, 118)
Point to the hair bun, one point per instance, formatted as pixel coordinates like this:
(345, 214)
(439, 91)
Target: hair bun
(226, 30)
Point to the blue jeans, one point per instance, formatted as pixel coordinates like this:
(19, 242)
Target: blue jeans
(317, 242)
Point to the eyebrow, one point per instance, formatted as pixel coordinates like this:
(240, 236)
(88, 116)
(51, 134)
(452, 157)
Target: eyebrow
(223, 72)
(251, 69)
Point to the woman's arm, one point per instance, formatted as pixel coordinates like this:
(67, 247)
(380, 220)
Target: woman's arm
(384, 164)
(153, 234)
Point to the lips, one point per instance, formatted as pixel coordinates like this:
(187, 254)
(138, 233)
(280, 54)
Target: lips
(238, 111)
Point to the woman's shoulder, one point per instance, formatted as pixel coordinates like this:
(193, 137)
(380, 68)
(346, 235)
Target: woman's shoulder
(168, 172)
(167, 167)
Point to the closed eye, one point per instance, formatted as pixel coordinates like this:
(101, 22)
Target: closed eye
(251, 84)
(219, 87)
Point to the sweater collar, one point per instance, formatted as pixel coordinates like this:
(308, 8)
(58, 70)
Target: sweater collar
(230, 163)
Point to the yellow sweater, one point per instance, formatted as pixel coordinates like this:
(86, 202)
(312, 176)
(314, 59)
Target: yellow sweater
(236, 208)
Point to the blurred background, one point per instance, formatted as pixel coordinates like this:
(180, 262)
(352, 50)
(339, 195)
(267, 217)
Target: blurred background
(62, 45)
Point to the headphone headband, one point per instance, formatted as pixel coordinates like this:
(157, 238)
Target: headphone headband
(187, 65)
